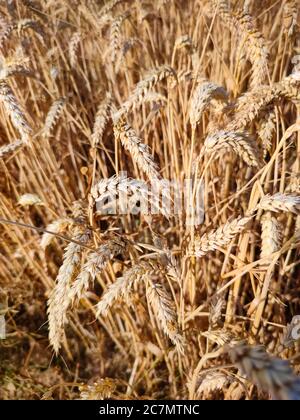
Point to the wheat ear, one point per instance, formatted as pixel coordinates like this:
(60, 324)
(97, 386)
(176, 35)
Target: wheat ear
(220, 237)
(53, 116)
(96, 262)
(58, 226)
(144, 87)
(290, 15)
(59, 301)
(140, 152)
(14, 111)
(101, 119)
(280, 203)
(240, 143)
(122, 287)
(164, 310)
(9, 149)
(115, 34)
(270, 374)
(203, 95)
(74, 47)
(270, 235)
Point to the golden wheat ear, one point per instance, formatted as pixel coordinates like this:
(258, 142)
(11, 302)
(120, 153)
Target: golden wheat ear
(270, 374)
(218, 238)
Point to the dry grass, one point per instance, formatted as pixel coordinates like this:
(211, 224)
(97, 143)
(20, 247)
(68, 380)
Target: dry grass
(149, 306)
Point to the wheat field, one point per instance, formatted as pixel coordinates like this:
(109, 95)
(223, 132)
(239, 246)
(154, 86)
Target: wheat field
(102, 99)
